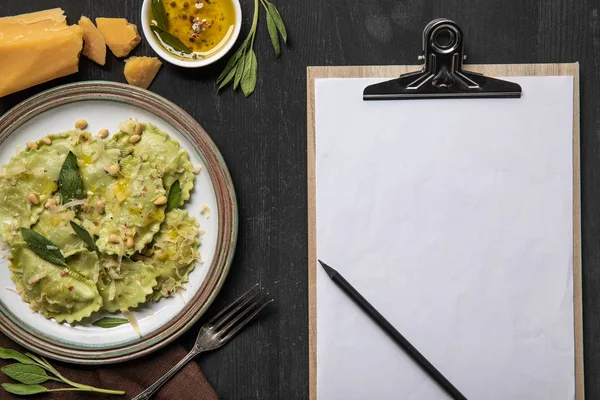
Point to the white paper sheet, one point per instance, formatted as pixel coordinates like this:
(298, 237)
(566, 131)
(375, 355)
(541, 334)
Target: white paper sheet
(454, 219)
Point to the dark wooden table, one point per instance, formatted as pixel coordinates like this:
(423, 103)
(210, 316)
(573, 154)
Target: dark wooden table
(263, 140)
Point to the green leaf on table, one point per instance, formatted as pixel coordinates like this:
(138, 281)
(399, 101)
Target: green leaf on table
(23, 390)
(170, 40)
(43, 247)
(227, 79)
(278, 21)
(10, 354)
(110, 322)
(239, 70)
(160, 15)
(84, 235)
(70, 184)
(230, 66)
(174, 198)
(272, 28)
(250, 74)
(24, 373)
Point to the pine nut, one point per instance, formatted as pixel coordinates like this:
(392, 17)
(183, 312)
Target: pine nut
(33, 199)
(114, 239)
(32, 145)
(139, 128)
(130, 243)
(100, 207)
(50, 203)
(81, 124)
(135, 138)
(160, 201)
(103, 133)
(47, 140)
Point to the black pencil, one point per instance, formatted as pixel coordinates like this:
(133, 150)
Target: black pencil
(437, 376)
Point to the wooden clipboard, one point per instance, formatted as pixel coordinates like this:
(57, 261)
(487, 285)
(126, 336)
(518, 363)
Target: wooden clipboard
(507, 70)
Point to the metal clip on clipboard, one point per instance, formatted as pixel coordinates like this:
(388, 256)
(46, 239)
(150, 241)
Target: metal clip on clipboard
(442, 75)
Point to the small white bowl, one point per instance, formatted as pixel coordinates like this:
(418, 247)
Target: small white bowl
(167, 56)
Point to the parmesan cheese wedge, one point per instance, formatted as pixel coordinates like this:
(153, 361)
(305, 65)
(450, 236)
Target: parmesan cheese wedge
(141, 71)
(94, 46)
(36, 48)
(120, 36)
(26, 24)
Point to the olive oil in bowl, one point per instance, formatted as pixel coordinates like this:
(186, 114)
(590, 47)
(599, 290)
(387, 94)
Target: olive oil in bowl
(193, 30)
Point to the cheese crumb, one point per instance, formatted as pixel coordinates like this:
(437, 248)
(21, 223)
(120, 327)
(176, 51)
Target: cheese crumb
(120, 35)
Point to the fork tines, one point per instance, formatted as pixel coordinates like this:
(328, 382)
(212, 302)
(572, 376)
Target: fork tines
(234, 317)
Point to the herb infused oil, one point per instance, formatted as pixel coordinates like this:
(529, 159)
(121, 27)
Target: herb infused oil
(203, 27)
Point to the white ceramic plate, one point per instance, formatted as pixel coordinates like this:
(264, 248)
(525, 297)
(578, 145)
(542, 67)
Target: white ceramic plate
(154, 318)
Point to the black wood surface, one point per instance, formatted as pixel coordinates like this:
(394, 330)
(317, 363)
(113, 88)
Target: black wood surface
(263, 140)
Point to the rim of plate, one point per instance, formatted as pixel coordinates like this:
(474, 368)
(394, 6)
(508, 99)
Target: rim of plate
(227, 224)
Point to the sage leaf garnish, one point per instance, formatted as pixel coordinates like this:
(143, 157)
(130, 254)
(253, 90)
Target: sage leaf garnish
(110, 322)
(239, 71)
(273, 34)
(170, 40)
(160, 15)
(174, 198)
(271, 9)
(242, 67)
(31, 371)
(43, 247)
(70, 184)
(250, 74)
(9, 354)
(24, 373)
(24, 390)
(84, 235)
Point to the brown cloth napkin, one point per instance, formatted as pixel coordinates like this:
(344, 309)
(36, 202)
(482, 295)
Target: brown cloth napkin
(132, 377)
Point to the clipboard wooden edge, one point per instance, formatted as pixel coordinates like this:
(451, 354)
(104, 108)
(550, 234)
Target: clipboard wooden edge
(313, 73)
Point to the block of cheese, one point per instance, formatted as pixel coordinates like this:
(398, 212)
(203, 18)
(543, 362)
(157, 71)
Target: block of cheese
(120, 36)
(31, 59)
(26, 24)
(141, 71)
(94, 46)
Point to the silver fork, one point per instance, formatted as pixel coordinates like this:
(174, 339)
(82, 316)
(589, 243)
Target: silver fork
(217, 332)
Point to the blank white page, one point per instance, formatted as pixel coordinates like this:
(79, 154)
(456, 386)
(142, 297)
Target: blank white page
(454, 219)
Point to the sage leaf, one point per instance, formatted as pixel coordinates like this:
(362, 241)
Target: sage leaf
(9, 354)
(227, 79)
(174, 199)
(272, 28)
(43, 247)
(84, 235)
(230, 65)
(28, 374)
(250, 75)
(110, 322)
(167, 39)
(159, 15)
(239, 71)
(278, 21)
(23, 390)
(70, 184)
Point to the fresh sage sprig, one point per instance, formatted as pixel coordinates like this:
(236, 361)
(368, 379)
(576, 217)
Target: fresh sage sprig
(84, 235)
(31, 371)
(174, 198)
(43, 247)
(110, 322)
(70, 183)
(242, 67)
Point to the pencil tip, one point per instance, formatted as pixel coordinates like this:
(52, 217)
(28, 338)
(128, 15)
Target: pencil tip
(330, 271)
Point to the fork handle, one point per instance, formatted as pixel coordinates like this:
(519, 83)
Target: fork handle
(146, 394)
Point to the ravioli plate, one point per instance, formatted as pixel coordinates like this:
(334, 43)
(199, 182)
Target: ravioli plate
(212, 202)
